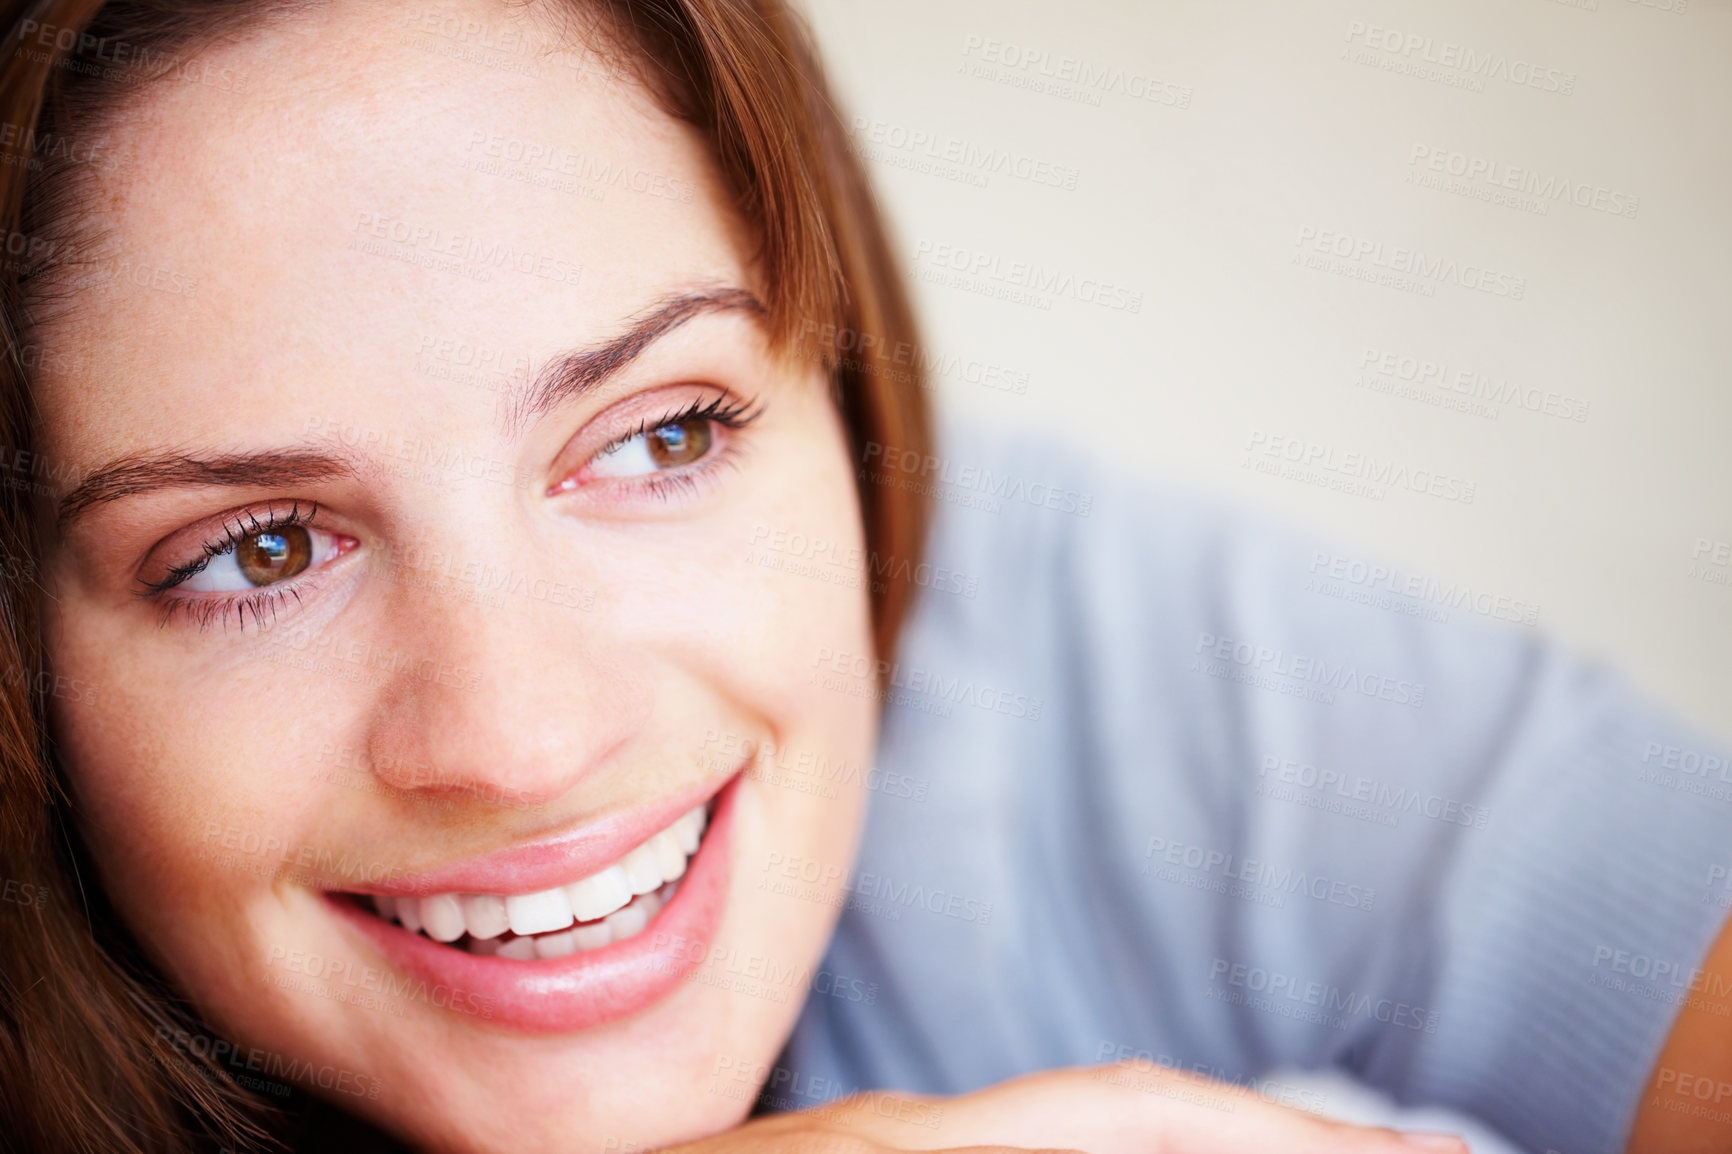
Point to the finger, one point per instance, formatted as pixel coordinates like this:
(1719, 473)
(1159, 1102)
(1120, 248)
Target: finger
(1435, 1140)
(1296, 1133)
(1109, 1113)
(1009, 1150)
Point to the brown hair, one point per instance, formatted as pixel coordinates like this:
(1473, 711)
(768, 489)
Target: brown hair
(96, 1051)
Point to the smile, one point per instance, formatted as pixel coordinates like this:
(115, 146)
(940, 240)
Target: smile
(613, 905)
(564, 934)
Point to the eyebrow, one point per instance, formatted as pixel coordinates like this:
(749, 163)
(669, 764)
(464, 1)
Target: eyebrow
(567, 376)
(142, 474)
(571, 375)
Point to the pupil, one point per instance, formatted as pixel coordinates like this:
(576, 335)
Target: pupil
(680, 444)
(266, 557)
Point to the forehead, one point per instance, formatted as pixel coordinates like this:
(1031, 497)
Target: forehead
(323, 209)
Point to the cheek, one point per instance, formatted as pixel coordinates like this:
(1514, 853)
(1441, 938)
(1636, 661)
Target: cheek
(784, 580)
(188, 799)
(758, 600)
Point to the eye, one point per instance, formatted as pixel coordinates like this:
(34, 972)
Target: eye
(668, 446)
(671, 452)
(264, 557)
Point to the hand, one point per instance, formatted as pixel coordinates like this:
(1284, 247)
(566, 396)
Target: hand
(1100, 1110)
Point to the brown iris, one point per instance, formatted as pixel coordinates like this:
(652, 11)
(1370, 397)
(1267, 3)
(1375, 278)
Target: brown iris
(267, 557)
(680, 443)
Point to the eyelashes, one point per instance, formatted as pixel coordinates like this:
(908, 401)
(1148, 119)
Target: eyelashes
(207, 610)
(663, 459)
(244, 526)
(728, 412)
(657, 449)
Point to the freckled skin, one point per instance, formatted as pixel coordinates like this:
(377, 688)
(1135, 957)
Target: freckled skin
(402, 713)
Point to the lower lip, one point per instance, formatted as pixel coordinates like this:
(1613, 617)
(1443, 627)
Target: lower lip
(579, 991)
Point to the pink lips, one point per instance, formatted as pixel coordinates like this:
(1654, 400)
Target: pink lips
(545, 864)
(582, 990)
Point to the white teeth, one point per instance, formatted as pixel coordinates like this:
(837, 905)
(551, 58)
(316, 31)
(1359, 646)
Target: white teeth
(442, 917)
(580, 938)
(518, 950)
(485, 915)
(643, 872)
(626, 923)
(688, 830)
(599, 895)
(610, 906)
(591, 937)
(556, 945)
(670, 859)
(538, 913)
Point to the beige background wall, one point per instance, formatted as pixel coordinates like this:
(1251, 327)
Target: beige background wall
(1243, 199)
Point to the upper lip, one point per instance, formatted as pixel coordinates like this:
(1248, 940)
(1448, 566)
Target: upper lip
(552, 861)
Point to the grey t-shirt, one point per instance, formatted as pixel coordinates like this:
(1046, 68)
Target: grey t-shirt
(1159, 783)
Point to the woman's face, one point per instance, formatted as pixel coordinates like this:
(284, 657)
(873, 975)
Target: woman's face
(408, 478)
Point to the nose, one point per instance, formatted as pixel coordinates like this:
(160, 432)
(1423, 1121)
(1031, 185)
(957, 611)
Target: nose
(506, 700)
